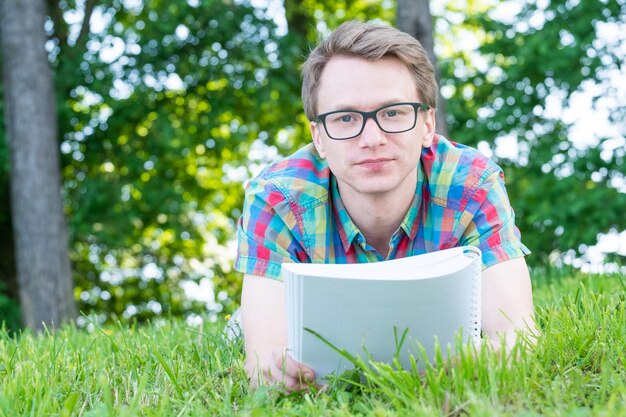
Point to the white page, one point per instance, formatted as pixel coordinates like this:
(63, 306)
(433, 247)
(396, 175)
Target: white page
(433, 294)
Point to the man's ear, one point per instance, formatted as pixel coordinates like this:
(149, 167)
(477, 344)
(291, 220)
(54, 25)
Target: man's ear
(429, 127)
(314, 127)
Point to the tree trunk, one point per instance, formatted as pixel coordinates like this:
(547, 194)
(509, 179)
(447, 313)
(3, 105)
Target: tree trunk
(41, 242)
(413, 17)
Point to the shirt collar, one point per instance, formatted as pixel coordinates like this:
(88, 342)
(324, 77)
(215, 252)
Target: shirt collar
(411, 222)
(346, 228)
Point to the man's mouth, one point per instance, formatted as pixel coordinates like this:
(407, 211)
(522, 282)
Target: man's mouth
(374, 163)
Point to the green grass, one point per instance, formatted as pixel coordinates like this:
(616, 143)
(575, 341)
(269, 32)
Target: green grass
(171, 369)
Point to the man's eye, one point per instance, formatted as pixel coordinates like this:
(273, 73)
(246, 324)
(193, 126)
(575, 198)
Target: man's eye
(343, 118)
(391, 113)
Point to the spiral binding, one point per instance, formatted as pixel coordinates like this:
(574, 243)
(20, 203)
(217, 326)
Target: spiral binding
(476, 297)
(475, 312)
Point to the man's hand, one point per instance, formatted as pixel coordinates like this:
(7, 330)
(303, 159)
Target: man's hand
(280, 369)
(265, 336)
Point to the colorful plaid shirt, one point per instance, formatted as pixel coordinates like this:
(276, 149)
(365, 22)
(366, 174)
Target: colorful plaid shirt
(293, 213)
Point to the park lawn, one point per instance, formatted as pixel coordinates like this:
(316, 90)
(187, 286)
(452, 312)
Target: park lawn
(169, 368)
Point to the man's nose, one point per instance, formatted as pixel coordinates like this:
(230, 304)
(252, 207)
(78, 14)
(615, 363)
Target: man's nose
(372, 135)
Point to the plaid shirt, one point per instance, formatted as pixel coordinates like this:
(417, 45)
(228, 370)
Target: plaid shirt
(293, 213)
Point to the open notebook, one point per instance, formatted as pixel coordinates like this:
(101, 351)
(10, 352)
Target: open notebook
(357, 306)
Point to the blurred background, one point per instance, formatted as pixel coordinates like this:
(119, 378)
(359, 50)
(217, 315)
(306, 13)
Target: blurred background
(166, 108)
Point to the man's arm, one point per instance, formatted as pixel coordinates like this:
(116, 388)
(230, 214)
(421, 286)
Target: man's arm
(507, 303)
(265, 335)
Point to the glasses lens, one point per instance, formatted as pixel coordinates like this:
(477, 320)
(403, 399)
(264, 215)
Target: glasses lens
(396, 118)
(340, 125)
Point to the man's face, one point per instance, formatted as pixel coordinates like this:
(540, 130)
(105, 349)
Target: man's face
(373, 163)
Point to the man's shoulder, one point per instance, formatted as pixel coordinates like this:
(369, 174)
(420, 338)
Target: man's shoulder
(303, 178)
(455, 171)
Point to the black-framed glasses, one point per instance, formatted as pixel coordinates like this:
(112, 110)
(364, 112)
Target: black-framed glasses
(392, 118)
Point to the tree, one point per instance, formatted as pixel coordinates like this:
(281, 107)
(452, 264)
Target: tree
(564, 194)
(162, 107)
(166, 108)
(43, 266)
(414, 18)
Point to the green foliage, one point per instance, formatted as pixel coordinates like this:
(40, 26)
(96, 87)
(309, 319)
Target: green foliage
(563, 195)
(168, 368)
(10, 316)
(157, 140)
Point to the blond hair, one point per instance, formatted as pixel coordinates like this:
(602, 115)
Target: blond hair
(372, 42)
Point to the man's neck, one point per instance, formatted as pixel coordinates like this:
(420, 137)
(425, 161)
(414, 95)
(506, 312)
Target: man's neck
(378, 216)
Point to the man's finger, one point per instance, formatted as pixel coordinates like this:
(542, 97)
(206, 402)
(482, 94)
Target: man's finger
(293, 368)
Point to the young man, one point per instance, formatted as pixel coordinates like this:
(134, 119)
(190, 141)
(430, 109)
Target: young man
(376, 183)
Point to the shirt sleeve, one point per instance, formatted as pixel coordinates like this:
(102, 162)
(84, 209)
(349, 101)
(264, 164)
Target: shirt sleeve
(489, 223)
(267, 231)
